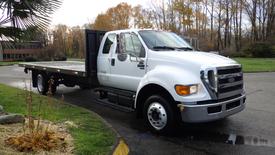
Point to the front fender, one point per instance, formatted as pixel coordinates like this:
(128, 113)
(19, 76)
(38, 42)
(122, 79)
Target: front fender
(167, 77)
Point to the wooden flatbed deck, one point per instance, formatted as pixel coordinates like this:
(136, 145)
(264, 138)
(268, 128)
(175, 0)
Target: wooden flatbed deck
(76, 68)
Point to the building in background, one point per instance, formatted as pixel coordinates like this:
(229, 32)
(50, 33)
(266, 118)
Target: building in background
(17, 51)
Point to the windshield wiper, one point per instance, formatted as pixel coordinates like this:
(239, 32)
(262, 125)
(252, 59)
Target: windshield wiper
(185, 48)
(163, 47)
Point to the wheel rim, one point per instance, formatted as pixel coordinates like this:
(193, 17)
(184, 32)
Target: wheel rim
(40, 83)
(157, 115)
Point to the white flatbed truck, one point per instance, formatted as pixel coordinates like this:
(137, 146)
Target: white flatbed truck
(155, 73)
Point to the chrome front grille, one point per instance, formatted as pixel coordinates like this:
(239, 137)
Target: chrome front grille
(230, 81)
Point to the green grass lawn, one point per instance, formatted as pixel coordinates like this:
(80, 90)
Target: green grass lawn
(8, 63)
(257, 64)
(91, 136)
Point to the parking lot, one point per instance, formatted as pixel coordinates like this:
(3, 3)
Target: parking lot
(250, 132)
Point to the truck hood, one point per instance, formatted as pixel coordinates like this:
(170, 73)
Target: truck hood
(197, 58)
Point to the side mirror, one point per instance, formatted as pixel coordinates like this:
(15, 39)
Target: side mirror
(122, 56)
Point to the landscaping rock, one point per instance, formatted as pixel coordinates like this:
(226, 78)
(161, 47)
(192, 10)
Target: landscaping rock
(2, 111)
(71, 124)
(11, 118)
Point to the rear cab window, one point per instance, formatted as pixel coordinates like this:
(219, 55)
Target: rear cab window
(108, 43)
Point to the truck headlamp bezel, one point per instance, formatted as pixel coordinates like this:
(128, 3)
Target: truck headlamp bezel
(210, 77)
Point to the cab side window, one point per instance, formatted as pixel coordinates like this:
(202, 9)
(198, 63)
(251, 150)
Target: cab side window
(131, 44)
(108, 43)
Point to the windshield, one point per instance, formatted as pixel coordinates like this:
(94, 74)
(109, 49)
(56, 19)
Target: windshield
(160, 40)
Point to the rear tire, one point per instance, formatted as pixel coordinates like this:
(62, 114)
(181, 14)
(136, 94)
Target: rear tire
(160, 116)
(42, 84)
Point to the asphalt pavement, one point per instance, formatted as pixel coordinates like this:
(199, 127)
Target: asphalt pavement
(251, 131)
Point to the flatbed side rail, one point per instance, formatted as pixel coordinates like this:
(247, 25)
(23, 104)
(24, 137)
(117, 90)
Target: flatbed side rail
(53, 69)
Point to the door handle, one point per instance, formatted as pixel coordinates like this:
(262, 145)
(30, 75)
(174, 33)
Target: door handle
(113, 62)
(141, 65)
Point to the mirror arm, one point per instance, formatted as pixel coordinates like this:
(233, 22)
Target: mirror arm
(136, 57)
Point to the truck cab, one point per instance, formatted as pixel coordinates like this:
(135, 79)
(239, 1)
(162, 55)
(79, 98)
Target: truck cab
(155, 73)
(169, 78)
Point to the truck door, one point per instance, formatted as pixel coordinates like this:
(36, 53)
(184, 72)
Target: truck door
(128, 62)
(104, 59)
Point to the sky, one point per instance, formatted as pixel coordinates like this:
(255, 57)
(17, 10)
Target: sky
(73, 13)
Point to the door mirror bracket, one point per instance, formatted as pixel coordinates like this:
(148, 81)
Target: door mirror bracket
(136, 57)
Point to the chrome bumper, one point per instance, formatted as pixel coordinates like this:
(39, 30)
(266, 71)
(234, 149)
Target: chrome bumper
(211, 112)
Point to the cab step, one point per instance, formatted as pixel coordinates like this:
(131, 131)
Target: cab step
(116, 97)
(105, 102)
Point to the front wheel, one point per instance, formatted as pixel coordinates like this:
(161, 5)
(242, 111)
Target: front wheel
(159, 115)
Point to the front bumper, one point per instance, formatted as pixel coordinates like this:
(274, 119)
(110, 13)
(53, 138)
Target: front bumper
(212, 112)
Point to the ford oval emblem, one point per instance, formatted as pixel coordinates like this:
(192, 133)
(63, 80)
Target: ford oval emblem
(231, 80)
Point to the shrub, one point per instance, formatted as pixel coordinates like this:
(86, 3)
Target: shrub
(47, 53)
(30, 59)
(50, 53)
(60, 58)
(231, 52)
(234, 54)
(259, 50)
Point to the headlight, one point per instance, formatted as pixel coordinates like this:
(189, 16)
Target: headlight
(186, 90)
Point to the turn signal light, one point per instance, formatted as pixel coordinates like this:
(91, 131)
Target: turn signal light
(186, 90)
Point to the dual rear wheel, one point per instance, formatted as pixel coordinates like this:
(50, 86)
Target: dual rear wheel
(44, 85)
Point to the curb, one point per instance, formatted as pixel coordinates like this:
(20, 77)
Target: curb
(120, 147)
(6, 65)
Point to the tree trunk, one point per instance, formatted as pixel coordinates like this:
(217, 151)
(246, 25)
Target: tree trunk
(211, 20)
(240, 26)
(253, 22)
(220, 45)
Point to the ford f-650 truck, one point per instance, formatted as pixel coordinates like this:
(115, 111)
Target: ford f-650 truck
(155, 73)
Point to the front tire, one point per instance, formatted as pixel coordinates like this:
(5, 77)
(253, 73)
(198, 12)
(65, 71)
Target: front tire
(160, 116)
